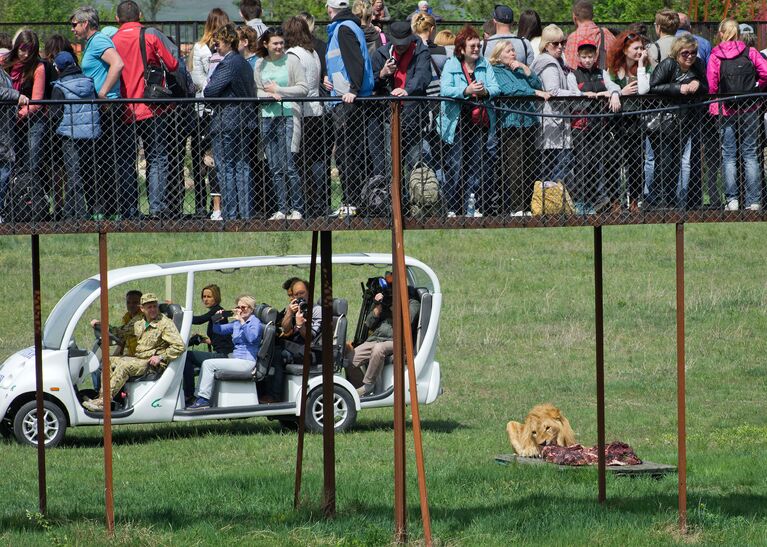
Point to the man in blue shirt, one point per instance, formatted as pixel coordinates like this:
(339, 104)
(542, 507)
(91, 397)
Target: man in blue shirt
(101, 62)
(704, 46)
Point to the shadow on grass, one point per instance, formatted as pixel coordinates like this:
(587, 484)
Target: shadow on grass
(523, 514)
(434, 426)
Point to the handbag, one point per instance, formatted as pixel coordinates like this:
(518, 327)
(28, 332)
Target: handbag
(551, 198)
(479, 114)
(155, 77)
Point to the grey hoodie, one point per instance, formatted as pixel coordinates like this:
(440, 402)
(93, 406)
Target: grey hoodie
(7, 116)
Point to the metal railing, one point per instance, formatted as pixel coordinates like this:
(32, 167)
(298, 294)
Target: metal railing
(252, 164)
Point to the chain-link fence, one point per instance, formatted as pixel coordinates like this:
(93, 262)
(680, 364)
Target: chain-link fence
(85, 166)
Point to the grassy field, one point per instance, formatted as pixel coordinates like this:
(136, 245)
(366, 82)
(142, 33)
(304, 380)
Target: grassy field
(517, 330)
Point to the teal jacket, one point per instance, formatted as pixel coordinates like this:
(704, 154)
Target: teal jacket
(514, 83)
(452, 84)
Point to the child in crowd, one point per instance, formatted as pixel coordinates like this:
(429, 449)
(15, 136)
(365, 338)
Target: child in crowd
(77, 126)
(592, 82)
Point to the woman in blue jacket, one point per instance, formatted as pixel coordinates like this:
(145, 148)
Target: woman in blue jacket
(246, 332)
(464, 127)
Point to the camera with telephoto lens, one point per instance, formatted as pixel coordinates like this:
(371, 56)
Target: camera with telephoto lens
(196, 340)
(381, 285)
(303, 306)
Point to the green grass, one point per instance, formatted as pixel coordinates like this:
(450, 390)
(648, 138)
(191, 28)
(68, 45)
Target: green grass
(517, 329)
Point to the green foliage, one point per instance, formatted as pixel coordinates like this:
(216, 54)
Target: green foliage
(39, 10)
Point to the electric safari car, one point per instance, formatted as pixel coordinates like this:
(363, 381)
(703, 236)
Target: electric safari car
(156, 398)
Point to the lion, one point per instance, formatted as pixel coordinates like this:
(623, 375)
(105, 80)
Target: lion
(545, 425)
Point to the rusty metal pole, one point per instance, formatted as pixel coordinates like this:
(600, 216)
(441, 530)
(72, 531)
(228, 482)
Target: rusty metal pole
(400, 522)
(600, 354)
(105, 378)
(680, 380)
(38, 323)
(305, 382)
(328, 393)
(401, 295)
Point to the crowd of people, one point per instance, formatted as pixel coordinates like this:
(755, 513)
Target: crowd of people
(77, 158)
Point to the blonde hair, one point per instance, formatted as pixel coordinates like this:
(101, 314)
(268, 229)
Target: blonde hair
(445, 38)
(728, 30)
(551, 33)
(423, 23)
(495, 56)
(682, 42)
(217, 18)
(364, 11)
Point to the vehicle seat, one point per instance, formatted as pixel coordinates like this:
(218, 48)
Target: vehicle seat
(340, 322)
(424, 314)
(268, 317)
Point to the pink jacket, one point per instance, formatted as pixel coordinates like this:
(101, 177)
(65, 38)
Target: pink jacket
(730, 50)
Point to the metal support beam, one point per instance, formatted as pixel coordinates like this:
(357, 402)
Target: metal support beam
(600, 355)
(38, 323)
(305, 382)
(680, 380)
(328, 395)
(105, 379)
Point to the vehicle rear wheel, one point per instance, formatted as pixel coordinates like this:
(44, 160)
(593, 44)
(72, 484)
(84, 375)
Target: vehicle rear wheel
(344, 411)
(25, 424)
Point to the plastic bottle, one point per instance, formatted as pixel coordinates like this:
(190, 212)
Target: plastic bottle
(471, 206)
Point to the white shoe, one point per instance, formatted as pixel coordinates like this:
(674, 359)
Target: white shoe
(732, 205)
(295, 215)
(476, 214)
(451, 214)
(752, 207)
(215, 215)
(344, 211)
(279, 215)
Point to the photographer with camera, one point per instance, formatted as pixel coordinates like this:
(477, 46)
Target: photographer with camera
(379, 343)
(219, 345)
(246, 332)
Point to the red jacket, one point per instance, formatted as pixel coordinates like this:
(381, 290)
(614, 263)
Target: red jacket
(126, 43)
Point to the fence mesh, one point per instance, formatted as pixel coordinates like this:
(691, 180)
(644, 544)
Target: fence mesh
(264, 165)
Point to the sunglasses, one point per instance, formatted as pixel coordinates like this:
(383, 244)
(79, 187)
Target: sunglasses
(242, 307)
(630, 37)
(687, 54)
(75, 23)
(275, 30)
(561, 43)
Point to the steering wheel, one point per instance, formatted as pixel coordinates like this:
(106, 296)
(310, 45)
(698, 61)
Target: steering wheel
(97, 333)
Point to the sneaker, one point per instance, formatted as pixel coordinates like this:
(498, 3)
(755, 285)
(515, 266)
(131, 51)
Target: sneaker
(365, 390)
(476, 214)
(754, 207)
(199, 404)
(295, 215)
(344, 211)
(451, 214)
(216, 215)
(279, 215)
(94, 405)
(732, 205)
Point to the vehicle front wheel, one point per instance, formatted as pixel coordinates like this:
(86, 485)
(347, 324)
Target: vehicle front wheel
(25, 424)
(344, 411)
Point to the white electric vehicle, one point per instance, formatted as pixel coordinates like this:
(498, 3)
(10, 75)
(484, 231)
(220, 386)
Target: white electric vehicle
(68, 364)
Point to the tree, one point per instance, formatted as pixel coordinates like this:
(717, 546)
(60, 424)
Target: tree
(40, 10)
(150, 8)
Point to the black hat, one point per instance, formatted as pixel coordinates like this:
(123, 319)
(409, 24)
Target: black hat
(503, 14)
(400, 32)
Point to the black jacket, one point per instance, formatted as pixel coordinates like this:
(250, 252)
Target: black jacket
(418, 74)
(667, 78)
(222, 343)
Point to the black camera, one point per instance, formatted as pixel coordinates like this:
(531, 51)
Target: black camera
(222, 315)
(196, 340)
(381, 285)
(303, 306)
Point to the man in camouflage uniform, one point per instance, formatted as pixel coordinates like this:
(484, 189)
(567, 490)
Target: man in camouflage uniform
(159, 343)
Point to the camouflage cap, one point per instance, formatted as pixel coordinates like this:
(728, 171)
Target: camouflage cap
(148, 297)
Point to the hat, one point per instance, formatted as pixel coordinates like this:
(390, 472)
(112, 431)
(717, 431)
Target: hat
(551, 33)
(743, 28)
(400, 33)
(503, 14)
(63, 60)
(109, 31)
(586, 43)
(148, 297)
(337, 4)
(423, 4)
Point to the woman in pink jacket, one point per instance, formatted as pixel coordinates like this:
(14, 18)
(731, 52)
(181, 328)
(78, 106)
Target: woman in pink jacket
(735, 68)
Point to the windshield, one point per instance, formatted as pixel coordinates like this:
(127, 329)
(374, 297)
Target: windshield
(62, 314)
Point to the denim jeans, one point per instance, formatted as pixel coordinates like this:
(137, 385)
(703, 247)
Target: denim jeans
(277, 133)
(30, 133)
(557, 163)
(233, 172)
(745, 127)
(467, 152)
(116, 193)
(154, 137)
(5, 176)
(76, 153)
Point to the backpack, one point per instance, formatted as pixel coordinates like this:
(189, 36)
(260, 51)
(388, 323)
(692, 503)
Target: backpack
(424, 189)
(376, 197)
(737, 75)
(26, 201)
